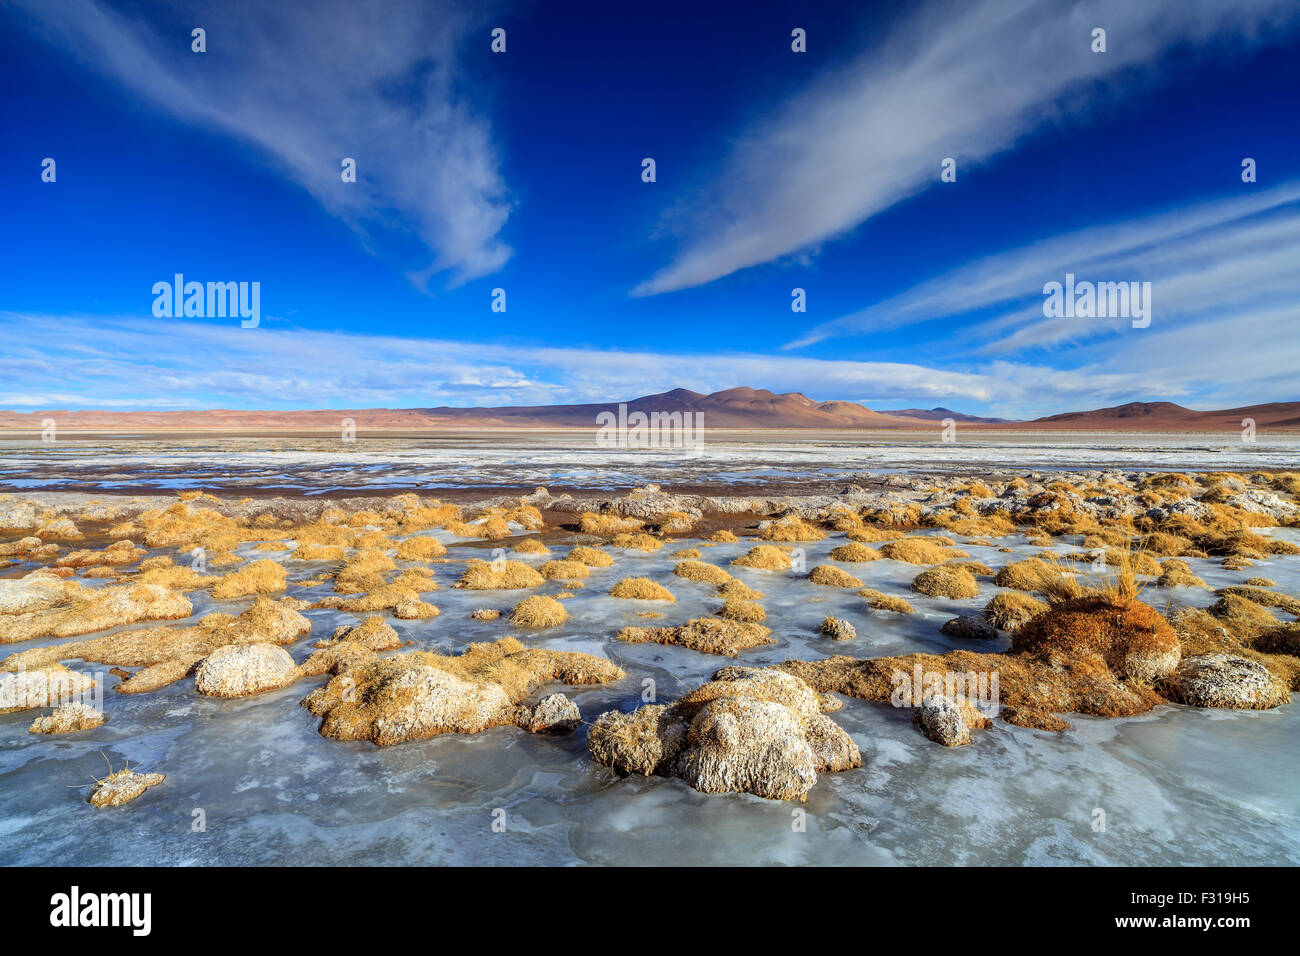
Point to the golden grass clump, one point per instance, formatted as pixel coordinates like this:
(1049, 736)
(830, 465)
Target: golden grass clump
(418, 695)
(854, 552)
(308, 551)
(947, 581)
(420, 547)
(363, 571)
(591, 557)
(1048, 577)
(874, 534)
(791, 529)
(735, 588)
(708, 635)
(831, 576)
(886, 602)
(766, 557)
(1174, 572)
(921, 550)
(485, 614)
(1011, 610)
(607, 524)
(260, 577)
(735, 609)
(1285, 602)
(121, 787)
(702, 571)
(639, 541)
(686, 553)
(1261, 582)
(538, 611)
(531, 546)
(723, 536)
(641, 589)
(565, 570)
(1131, 637)
(498, 576)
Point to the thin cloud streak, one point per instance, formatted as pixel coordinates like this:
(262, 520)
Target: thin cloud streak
(873, 133)
(309, 91)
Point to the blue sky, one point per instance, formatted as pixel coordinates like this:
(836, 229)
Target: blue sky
(775, 170)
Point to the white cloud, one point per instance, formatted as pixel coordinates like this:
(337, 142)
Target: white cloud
(958, 79)
(377, 83)
(185, 364)
(1223, 256)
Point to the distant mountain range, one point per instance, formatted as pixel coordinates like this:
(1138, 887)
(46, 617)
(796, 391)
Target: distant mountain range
(732, 408)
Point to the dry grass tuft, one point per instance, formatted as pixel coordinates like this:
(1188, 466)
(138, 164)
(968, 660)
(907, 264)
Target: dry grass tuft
(831, 576)
(420, 548)
(886, 602)
(498, 576)
(708, 635)
(565, 570)
(765, 557)
(921, 550)
(791, 529)
(947, 581)
(260, 577)
(702, 571)
(538, 611)
(641, 589)
(1011, 610)
(591, 557)
(735, 609)
(607, 524)
(854, 552)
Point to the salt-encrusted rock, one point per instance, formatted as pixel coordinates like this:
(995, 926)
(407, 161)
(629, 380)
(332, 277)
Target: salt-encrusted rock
(123, 787)
(85, 610)
(64, 528)
(374, 633)
(970, 627)
(240, 670)
(19, 516)
(418, 694)
(1226, 680)
(38, 591)
(838, 629)
(949, 720)
(68, 718)
(21, 546)
(749, 729)
(45, 686)
(554, 712)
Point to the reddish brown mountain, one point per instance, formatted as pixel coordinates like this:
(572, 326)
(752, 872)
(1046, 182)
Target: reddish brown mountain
(732, 408)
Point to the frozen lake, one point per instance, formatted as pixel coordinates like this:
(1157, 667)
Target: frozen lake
(1177, 785)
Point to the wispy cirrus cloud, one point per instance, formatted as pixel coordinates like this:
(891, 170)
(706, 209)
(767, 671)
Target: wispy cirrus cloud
(1222, 258)
(873, 133)
(374, 82)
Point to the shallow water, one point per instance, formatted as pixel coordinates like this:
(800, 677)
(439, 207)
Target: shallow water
(1178, 785)
(525, 460)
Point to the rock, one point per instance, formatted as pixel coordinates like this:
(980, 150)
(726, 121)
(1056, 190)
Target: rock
(838, 629)
(123, 787)
(240, 670)
(417, 695)
(68, 718)
(20, 547)
(749, 730)
(552, 713)
(45, 686)
(374, 633)
(64, 528)
(85, 610)
(1226, 680)
(949, 720)
(970, 627)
